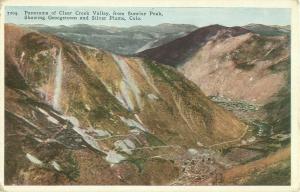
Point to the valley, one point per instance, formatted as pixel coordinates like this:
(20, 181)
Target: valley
(196, 106)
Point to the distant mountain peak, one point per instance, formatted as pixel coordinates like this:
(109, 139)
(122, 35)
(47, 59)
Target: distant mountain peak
(174, 24)
(268, 30)
(121, 40)
(175, 52)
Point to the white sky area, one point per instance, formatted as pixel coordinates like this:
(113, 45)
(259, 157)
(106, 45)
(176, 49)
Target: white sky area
(195, 16)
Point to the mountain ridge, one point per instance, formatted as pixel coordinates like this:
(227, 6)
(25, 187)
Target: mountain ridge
(188, 44)
(123, 40)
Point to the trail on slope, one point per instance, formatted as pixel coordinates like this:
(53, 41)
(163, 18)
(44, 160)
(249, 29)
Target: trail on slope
(178, 106)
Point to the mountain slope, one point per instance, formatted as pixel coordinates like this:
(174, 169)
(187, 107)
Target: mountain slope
(233, 56)
(178, 51)
(241, 70)
(80, 115)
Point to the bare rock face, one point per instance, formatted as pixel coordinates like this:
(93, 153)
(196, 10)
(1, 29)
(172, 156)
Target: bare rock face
(80, 115)
(229, 62)
(241, 67)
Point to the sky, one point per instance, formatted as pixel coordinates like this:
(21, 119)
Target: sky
(195, 16)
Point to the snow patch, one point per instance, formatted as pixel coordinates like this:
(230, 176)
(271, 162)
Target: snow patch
(125, 96)
(49, 117)
(128, 79)
(120, 144)
(135, 131)
(133, 124)
(129, 143)
(52, 119)
(200, 144)
(90, 140)
(114, 157)
(121, 100)
(56, 166)
(108, 88)
(38, 140)
(192, 151)
(22, 56)
(251, 139)
(87, 107)
(74, 121)
(27, 121)
(138, 118)
(34, 160)
(58, 81)
(152, 96)
(99, 132)
(43, 111)
(146, 46)
(102, 133)
(87, 138)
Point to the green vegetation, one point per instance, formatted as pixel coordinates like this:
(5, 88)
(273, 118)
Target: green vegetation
(170, 76)
(37, 55)
(18, 51)
(232, 105)
(251, 50)
(99, 112)
(13, 78)
(261, 128)
(156, 70)
(99, 56)
(77, 106)
(97, 91)
(34, 42)
(278, 175)
(41, 69)
(71, 170)
(153, 140)
(138, 162)
(266, 30)
(245, 66)
(275, 52)
(280, 110)
(281, 66)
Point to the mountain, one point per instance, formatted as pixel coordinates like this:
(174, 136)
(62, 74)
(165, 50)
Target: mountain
(239, 69)
(124, 41)
(75, 114)
(178, 51)
(272, 30)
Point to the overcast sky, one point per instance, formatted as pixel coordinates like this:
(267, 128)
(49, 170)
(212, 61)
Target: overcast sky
(195, 16)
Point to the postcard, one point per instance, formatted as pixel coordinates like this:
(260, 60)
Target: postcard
(153, 95)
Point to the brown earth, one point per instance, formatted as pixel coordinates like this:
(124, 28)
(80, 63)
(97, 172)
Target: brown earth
(229, 62)
(239, 172)
(173, 111)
